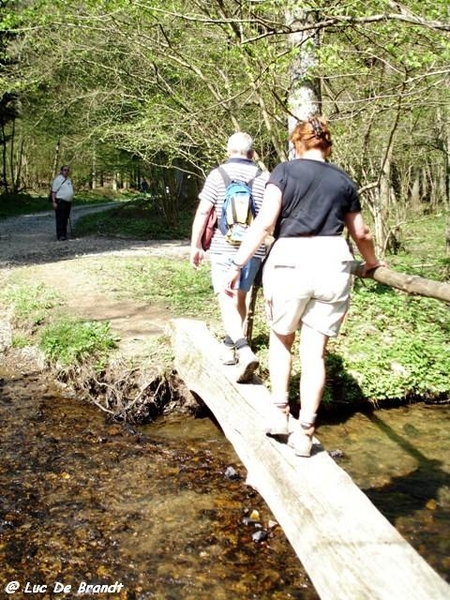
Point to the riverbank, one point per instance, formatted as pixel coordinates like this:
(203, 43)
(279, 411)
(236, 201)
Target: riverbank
(72, 275)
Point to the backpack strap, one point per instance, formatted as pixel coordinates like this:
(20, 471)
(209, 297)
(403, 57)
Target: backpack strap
(257, 174)
(225, 176)
(227, 180)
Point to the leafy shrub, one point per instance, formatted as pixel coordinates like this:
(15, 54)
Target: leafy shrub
(139, 218)
(394, 346)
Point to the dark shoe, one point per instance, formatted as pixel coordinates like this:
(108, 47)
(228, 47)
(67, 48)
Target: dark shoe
(62, 238)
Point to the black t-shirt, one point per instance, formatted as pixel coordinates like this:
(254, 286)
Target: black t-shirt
(315, 198)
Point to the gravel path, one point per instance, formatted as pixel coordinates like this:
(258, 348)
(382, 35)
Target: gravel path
(31, 239)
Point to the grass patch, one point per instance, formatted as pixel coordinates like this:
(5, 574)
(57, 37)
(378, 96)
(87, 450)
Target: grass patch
(138, 218)
(170, 283)
(70, 342)
(20, 341)
(26, 204)
(392, 347)
(30, 304)
(423, 248)
(64, 340)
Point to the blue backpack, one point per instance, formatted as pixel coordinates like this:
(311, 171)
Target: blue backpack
(238, 209)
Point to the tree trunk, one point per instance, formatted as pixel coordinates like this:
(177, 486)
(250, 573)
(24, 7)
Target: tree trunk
(4, 156)
(347, 547)
(416, 205)
(94, 169)
(55, 160)
(304, 94)
(19, 165)
(412, 284)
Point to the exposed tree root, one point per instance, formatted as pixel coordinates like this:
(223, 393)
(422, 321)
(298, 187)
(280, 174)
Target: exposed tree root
(134, 394)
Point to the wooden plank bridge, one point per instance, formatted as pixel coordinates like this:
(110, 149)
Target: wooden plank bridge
(349, 549)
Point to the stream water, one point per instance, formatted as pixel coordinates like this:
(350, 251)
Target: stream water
(163, 512)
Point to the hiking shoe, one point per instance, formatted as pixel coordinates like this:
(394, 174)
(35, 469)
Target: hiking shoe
(248, 363)
(301, 441)
(277, 421)
(228, 355)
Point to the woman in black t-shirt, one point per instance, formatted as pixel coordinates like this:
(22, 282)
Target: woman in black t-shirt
(307, 204)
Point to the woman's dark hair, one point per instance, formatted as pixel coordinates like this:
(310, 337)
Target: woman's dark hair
(313, 133)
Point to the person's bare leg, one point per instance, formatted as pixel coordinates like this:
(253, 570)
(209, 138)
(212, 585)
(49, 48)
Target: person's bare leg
(312, 380)
(241, 306)
(280, 366)
(280, 362)
(234, 310)
(312, 384)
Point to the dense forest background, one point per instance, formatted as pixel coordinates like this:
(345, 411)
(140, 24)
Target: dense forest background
(123, 90)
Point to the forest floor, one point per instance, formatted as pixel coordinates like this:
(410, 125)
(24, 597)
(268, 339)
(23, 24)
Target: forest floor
(29, 243)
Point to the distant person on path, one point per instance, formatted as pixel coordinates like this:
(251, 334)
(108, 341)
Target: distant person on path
(307, 275)
(144, 186)
(62, 196)
(239, 166)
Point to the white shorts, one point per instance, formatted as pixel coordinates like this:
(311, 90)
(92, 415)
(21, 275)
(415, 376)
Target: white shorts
(308, 280)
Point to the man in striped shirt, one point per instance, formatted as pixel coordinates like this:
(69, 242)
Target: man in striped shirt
(239, 166)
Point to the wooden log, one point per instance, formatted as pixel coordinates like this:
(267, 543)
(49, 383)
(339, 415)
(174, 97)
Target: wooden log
(347, 547)
(412, 284)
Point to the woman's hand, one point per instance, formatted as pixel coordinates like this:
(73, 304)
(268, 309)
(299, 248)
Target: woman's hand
(371, 266)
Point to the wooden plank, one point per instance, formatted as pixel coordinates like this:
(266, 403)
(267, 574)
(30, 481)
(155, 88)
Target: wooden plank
(347, 547)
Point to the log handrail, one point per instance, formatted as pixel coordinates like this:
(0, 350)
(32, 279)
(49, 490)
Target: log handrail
(411, 284)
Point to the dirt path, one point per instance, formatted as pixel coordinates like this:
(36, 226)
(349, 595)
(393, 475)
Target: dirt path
(29, 241)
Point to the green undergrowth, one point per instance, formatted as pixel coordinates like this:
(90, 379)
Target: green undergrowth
(30, 303)
(392, 346)
(38, 318)
(170, 283)
(26, 204)
(423, 248)
(69, 342)
(140, 218)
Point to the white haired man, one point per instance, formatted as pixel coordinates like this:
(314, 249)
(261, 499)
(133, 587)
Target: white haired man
(239, 166)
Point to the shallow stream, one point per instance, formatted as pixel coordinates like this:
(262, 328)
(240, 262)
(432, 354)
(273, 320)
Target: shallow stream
(163, 512)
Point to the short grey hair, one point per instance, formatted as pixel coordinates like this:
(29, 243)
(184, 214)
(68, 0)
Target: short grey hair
(239, 143)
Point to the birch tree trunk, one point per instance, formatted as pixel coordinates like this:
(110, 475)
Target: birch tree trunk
(304, 93)
(55, 160)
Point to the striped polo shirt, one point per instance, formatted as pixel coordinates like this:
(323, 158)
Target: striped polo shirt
(214, 191)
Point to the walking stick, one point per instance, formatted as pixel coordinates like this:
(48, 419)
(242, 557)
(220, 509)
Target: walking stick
(251, 313)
